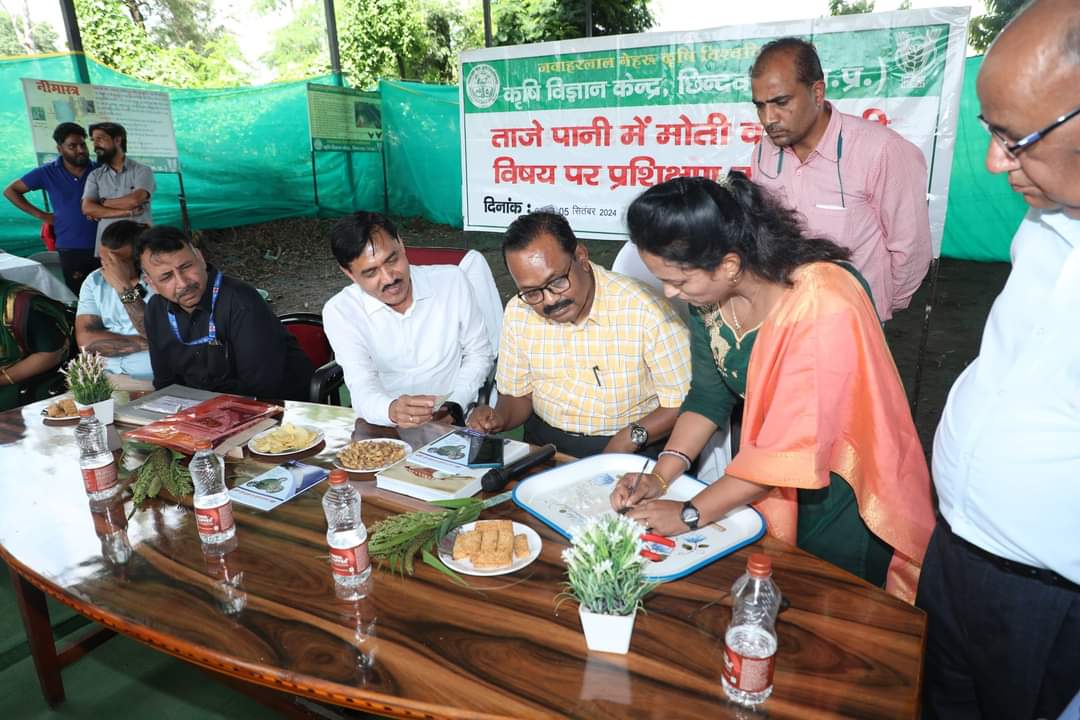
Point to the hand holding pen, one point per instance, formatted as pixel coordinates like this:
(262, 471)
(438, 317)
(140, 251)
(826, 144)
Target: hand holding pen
(632, 488)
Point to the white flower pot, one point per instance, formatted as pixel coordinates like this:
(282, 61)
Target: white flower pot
(103, 410)
(607, 633)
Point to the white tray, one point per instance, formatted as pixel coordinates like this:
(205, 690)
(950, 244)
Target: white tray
(567, 496)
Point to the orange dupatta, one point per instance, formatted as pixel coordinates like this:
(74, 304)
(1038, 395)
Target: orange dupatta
(823, 395)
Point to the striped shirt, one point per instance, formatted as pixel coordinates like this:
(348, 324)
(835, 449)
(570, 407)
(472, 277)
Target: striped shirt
(630, 356)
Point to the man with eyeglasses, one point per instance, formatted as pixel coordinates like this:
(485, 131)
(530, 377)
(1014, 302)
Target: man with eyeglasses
(411, 339)
(64, 180)
(1001, 578)
(209, 331)
(589, 360)
(856, 182)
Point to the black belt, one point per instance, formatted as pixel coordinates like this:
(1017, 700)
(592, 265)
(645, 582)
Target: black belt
(1011, 566)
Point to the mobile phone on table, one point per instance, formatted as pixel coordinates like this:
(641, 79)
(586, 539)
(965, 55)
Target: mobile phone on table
(485, 450)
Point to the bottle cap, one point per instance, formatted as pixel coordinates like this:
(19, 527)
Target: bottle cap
(203, 444)
(86, 411)
(338, 477)
(759, 564)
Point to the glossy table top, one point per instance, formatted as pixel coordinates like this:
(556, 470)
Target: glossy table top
(266, 611)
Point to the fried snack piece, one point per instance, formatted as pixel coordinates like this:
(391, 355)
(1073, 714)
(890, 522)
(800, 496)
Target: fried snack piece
(490, 555)
(521, 546)
(467, 544)
(62, 408)
(285, 438)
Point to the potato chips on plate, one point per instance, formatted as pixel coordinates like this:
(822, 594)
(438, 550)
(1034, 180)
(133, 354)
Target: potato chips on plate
(285, 440)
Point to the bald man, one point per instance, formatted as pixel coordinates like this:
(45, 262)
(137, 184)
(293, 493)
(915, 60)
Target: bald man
(1001, 578)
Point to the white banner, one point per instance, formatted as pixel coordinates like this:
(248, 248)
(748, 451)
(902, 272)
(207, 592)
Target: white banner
(145, 114)
(586, 125)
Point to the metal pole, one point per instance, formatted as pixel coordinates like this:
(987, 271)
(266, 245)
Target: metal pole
(488, 42)
(588, 18)
(916, 384)
(385, 180)
(183, 204)
(332, 42)
(314, 178)
(74, 39)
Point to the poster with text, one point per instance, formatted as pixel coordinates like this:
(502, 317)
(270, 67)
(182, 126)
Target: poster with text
(344, 119)
(145, 114)
(586, 125)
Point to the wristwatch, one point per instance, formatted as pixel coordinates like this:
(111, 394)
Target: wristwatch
(690, 515)
(639, 435)
(133, 293)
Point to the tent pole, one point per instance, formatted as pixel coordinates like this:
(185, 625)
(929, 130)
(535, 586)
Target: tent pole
(487, 24)
(332, 42)
(74, 40)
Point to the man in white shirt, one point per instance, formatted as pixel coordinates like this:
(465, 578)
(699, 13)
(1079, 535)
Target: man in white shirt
(1001, 578)
(411, 340)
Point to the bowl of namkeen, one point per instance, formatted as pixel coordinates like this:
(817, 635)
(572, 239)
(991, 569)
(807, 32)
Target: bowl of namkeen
(285, 440)
(371, 455)
(60, 412)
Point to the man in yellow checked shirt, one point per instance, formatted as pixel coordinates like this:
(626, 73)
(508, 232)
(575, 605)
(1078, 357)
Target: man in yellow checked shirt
(589, 360)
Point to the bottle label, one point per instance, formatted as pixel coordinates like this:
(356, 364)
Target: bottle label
(746, 673)
(349, 561)
(212, 521)
(98, 479)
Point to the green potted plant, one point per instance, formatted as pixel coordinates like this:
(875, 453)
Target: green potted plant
(606, 575)
(89, 383)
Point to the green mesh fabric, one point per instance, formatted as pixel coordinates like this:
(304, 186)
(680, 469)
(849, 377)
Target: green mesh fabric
(246, 159)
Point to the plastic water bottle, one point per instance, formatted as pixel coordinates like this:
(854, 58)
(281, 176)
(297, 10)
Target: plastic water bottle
(213, 509)
(345, 534)
(750, 640)
(95, 458)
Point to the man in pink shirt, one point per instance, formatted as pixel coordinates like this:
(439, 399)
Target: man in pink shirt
(856, 182)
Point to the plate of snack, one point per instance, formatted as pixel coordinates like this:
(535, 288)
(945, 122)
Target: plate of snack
(61, 412)
(490, 547)
(372, 455)
(287, 439)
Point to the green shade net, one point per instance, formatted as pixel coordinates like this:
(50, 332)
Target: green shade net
(246, 158)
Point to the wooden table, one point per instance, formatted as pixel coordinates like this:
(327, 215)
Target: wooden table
(267, 612)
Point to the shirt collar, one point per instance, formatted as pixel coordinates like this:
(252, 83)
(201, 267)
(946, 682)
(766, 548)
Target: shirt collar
(601, 282)
(829, 141)
(421, 290)
(1063, 225)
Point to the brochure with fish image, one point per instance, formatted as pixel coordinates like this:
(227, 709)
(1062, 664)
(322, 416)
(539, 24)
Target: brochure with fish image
(278, 485)
(427, 478)
(456, 447)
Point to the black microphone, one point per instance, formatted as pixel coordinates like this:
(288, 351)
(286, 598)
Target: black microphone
(496, 479)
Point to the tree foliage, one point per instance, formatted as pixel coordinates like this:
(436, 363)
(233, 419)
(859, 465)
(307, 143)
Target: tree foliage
(18, 37)
(299, 48)
(160, 43)
(850, 7)
(527, 21)
(984, 28)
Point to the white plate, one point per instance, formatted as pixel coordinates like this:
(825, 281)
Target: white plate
(446, 552)
(569, 495)
(318, 439)
(402, 443)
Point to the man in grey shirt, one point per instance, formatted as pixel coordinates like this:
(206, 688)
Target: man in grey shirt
(119, 188)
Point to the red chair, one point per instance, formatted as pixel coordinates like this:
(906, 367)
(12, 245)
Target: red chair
(434, 255)
(328, 379)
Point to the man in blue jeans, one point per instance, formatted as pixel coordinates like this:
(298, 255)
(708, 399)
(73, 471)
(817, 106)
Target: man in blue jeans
(64, 180)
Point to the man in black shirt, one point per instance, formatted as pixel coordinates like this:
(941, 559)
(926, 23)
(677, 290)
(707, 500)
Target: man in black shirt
(212, 332)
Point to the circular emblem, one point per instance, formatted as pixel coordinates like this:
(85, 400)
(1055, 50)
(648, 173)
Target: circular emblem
(482, 86)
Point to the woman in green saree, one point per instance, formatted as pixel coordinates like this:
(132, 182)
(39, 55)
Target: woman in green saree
(34, 333)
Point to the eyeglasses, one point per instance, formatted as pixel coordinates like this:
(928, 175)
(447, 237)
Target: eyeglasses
(1013, 148)
(557, 286)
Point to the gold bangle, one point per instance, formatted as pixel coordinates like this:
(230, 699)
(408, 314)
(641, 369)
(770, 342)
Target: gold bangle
(663, 483)
(3, 371)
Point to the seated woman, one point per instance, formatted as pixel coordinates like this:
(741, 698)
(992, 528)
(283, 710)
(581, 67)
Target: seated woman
(829, 453)
(34, 332)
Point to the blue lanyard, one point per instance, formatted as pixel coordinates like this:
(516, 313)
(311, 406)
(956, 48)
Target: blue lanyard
(211, 338)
